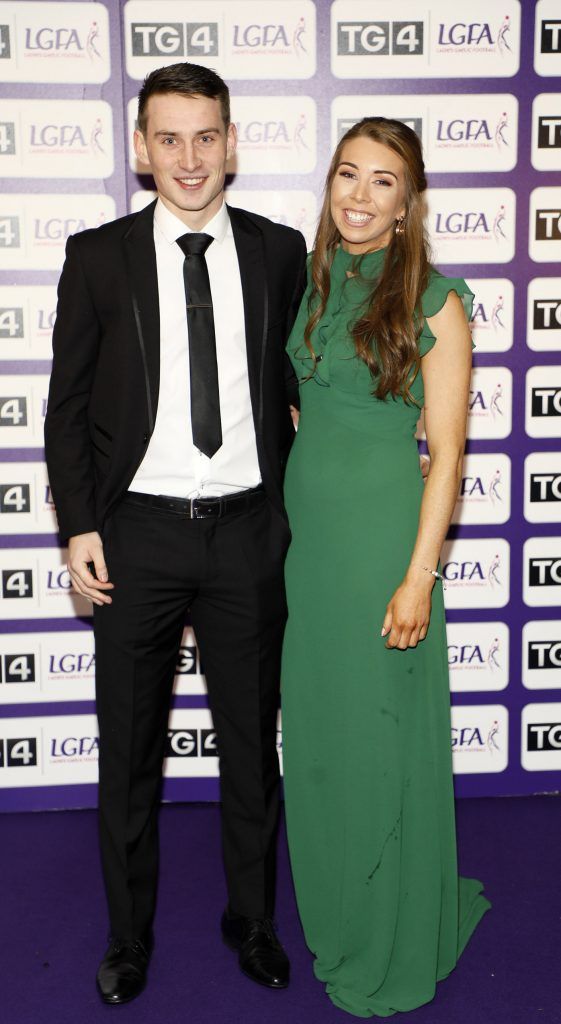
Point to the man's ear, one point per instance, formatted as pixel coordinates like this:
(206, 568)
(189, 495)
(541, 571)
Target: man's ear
(140, 149)
(231, 140)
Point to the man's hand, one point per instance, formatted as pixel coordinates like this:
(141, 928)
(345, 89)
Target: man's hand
(82, 550)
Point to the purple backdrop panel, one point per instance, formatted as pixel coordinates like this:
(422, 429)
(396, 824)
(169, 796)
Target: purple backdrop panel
(483, 91)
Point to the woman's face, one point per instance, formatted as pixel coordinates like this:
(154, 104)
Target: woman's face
(367, 195)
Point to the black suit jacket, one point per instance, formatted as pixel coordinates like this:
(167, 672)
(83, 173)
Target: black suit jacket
(103, 394)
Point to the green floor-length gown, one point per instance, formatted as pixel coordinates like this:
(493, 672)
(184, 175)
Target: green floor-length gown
(366, 730)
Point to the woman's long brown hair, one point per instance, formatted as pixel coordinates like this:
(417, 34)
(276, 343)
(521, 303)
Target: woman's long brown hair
(385, 336)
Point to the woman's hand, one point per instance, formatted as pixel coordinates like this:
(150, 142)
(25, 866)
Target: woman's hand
(408, 613)
(295, 416)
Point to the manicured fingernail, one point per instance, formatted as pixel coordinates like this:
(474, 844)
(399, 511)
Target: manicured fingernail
(384, 631)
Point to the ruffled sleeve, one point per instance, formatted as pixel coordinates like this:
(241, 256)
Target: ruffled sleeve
(433, 300)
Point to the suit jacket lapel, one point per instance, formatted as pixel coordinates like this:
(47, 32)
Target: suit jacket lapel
(140, 256)
(251, 257)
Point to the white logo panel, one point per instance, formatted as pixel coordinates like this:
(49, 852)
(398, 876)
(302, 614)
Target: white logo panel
(476, 573)
(49, 751)
(541, 737)
(23, 403)
(543, 401)
(421, 40)
(480, 135)
(47, 667)
(542, 487)
(238, 40)
(26, 504)
(479, 739)
(296, 208)
(60, 666)
(547, 38)
(542, 572)
(545, 224)
(54, 42)
(265, 46)
(544, 314)
(276, 135)
(56, 139)
(35, 584)
(34, 228)
(189, 675)
(477, 656)
(141, 199)
(490, 402)
(492, 321)
(472, 225)
(27, 316)
(546, 130)
(484, 495)
(541, 655)
(191, 750)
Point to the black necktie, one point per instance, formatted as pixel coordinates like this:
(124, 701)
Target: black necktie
(205, 399)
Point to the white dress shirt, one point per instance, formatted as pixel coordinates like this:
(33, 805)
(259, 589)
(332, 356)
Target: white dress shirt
(172, 464)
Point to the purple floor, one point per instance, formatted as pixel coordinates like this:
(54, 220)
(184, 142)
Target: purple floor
(53, 926)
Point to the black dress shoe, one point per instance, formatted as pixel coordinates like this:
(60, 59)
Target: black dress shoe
(261, 956)
(122, 972)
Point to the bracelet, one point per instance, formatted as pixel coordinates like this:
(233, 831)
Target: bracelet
(437, 575)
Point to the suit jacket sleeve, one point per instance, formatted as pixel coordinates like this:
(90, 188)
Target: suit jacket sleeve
(291, 379)
(68, 451)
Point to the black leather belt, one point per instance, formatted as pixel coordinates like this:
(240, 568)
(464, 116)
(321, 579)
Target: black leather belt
(199, 508)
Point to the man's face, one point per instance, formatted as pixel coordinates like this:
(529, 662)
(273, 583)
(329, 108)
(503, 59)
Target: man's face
(187, 146)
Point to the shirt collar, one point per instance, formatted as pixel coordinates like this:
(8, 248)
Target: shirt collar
(172, 227)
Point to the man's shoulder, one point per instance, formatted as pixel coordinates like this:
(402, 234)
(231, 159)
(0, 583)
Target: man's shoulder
(113, 231)
(270, 228)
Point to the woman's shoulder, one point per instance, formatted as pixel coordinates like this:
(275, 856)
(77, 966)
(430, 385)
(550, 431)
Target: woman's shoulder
(434, 298)
(438, 289)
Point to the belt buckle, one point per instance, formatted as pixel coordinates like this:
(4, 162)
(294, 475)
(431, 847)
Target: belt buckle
(204, 513)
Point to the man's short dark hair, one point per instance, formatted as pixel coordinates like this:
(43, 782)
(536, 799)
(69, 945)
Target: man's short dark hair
(186, 80)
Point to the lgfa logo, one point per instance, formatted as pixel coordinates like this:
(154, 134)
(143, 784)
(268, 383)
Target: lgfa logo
(280, 134)
(63, 138)
(481, 403)
(74, 748)
(473, 656)
(473, 739)
(472, 224)
(475, 573)
(45, 320)
(72, 664)
(478, 133)
(474, 37)
(274, 38)
(55, 230)
(480, 489)
(58, 581)
(48, 42)
(484, 316)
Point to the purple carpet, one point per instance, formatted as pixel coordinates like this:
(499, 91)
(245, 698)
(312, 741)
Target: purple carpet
(53, 926)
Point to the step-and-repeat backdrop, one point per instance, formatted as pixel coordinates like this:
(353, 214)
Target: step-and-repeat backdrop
(477, 81)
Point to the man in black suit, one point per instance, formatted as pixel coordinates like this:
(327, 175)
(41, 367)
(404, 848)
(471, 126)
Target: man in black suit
(167, 431)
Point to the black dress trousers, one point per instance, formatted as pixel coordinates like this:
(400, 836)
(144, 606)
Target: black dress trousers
(228, 572)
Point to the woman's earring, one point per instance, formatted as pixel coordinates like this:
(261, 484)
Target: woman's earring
(399, 226)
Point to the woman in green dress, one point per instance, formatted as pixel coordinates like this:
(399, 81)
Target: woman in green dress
(365, 696)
